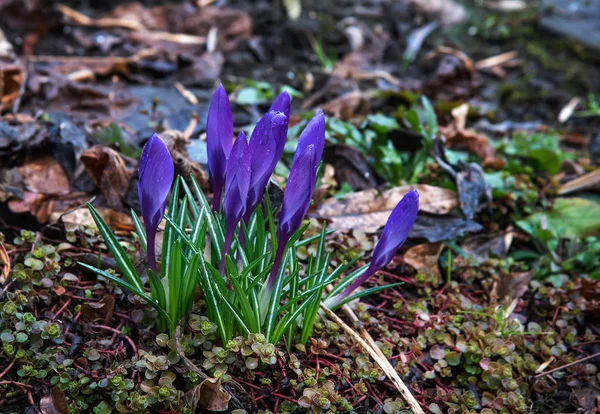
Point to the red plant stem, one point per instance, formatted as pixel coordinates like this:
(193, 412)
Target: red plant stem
(374, 394)
(406, 280)
(285, 398)
(249, 384)
(117, 332)
(555, 316)
(8, 368)
(62, 309)
(18, 384)
(338, 358)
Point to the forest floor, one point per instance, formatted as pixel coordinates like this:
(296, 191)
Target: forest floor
(492, 118)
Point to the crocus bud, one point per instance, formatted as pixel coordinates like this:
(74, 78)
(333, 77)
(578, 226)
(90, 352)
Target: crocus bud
(282, 104)
(236, 189)
(395, 232)
(266, 147)
(219, 139)
(299, 189)
(313, 134)
(155, 178)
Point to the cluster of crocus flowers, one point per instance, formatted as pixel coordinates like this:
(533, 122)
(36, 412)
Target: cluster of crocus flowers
(240, 170)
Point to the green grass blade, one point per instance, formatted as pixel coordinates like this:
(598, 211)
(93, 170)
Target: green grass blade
(117, 251)
(273, 307)
(173, 279)
(139, 229)
(169, 236)
(188, 285)
(347, 280)
(157, 289)
(129, 287)
(288, 321)
(212, 301)
(366, 292)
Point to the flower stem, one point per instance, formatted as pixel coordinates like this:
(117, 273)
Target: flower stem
(226, 247)
(151, 249)
(334, 302)
(216, 203)
(275, 269)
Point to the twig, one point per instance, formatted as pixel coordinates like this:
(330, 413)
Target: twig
(187, 94)
(83, 20)
(113, 60)
(378, 356)
(588, 180)
(496, 60)
(570, 364)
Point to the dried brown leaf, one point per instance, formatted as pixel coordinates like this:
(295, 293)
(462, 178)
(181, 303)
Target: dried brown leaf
(368, 211)
(101, 310)
(108, 169)
(82, 217)
(424, 258)
(473, 142)
(512, 286)
(209, 395)
(54, 402)
(44, 175)
(5, 263)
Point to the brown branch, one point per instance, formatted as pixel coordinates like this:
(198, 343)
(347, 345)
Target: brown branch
(570, 364)
(377, 355)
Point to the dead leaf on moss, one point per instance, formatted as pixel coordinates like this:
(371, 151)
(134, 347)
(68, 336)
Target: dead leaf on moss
(368, 211)
(82, 217)
(482, 246)
(101, 310)
(439, 228)
(458, 137)
(350, 166)
(424, 258)
(512, 286)
(5, 263)
(54, 402)
(43, 206)
(209, 396)
(44, 175)
(108, 169)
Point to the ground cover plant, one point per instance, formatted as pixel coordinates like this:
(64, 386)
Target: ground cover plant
(382, 207)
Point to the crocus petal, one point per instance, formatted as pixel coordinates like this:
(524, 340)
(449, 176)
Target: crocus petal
(155, 172)
(219, 139)
(396, 230)
(236, 190)
(297, 194)
(282, 104)
(394, 234)
(266, 147)
(238, 180)
(313, 134)
(296, 200)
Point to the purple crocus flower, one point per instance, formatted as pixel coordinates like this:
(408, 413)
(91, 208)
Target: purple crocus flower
(300, 186)
(266, 147)
(394, 234)
(236, 189)
(219, 141)
(315, 128)
(155, 178)
(282, 104)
